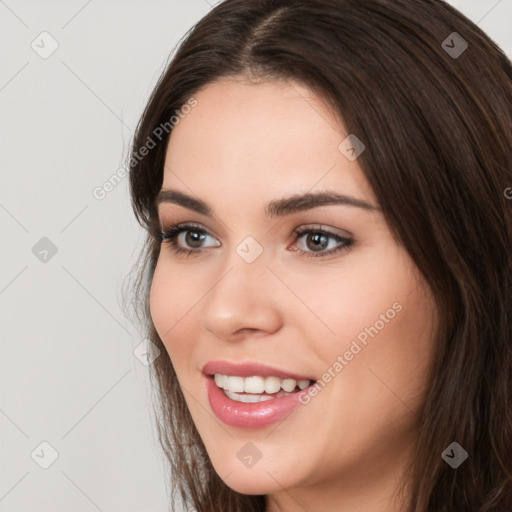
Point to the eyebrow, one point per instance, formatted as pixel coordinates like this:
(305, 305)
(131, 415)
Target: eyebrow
(275, 208)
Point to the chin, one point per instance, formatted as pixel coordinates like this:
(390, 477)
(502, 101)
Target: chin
(250, 484)
(254, 481)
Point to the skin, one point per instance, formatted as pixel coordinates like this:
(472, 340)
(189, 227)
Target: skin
(243, 145)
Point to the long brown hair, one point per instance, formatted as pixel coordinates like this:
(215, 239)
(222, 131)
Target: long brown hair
(437, 125)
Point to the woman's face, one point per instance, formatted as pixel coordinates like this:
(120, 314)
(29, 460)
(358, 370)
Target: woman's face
(352, 313)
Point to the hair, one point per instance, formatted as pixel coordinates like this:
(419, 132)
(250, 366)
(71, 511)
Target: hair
(438, 136)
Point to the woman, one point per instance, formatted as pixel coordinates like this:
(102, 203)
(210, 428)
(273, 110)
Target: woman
(327, 272)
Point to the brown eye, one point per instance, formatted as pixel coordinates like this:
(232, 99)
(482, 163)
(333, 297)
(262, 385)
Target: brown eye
(316, 241)
(194, 239)
(185, 239)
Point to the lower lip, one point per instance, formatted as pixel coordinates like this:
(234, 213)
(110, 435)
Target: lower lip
(249, 415)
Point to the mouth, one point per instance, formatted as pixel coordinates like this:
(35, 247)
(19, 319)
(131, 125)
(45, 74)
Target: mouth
(253, 395)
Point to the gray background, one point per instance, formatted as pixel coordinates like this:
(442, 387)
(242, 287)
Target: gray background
(68, 373)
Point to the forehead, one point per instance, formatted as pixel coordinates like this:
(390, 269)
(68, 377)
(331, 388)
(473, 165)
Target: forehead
(265, 138)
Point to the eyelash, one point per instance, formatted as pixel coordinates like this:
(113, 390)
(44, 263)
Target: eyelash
(170, 234)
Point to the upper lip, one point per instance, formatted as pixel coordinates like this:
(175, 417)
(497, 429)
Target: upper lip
(250, 369)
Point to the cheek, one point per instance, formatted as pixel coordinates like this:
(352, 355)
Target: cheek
(390, 372)
(171, 305)
(353, 298)
(383, 316)
(160, 302)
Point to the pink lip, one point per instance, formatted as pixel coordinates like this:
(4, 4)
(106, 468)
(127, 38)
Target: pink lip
(249, 415)
(253, 415)
(250, 369)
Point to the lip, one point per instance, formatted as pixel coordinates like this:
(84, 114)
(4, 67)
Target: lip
(249, 415)
(250, 369)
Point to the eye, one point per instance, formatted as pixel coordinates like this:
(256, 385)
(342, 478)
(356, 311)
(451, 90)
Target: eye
(317, 240)
(188, 234)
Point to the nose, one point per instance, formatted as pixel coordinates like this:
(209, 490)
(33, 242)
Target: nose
(244, 300)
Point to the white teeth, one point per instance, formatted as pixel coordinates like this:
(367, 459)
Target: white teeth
(257, 385)
(219, 380)
(253, 385)
(235, 384)
(253, 398)
(303, 384)
(272, 385)
(289, 384)
(247, 398)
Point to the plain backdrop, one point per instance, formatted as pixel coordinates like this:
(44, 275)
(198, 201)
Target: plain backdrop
(73, 395)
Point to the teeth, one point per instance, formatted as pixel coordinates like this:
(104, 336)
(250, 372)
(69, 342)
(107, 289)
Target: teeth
(303, 384)
(272, 384)
(289, 384)
(257, 385)
(253, 398)
(235, 384)
(247, 398)
(220, 380)
(253, 385)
